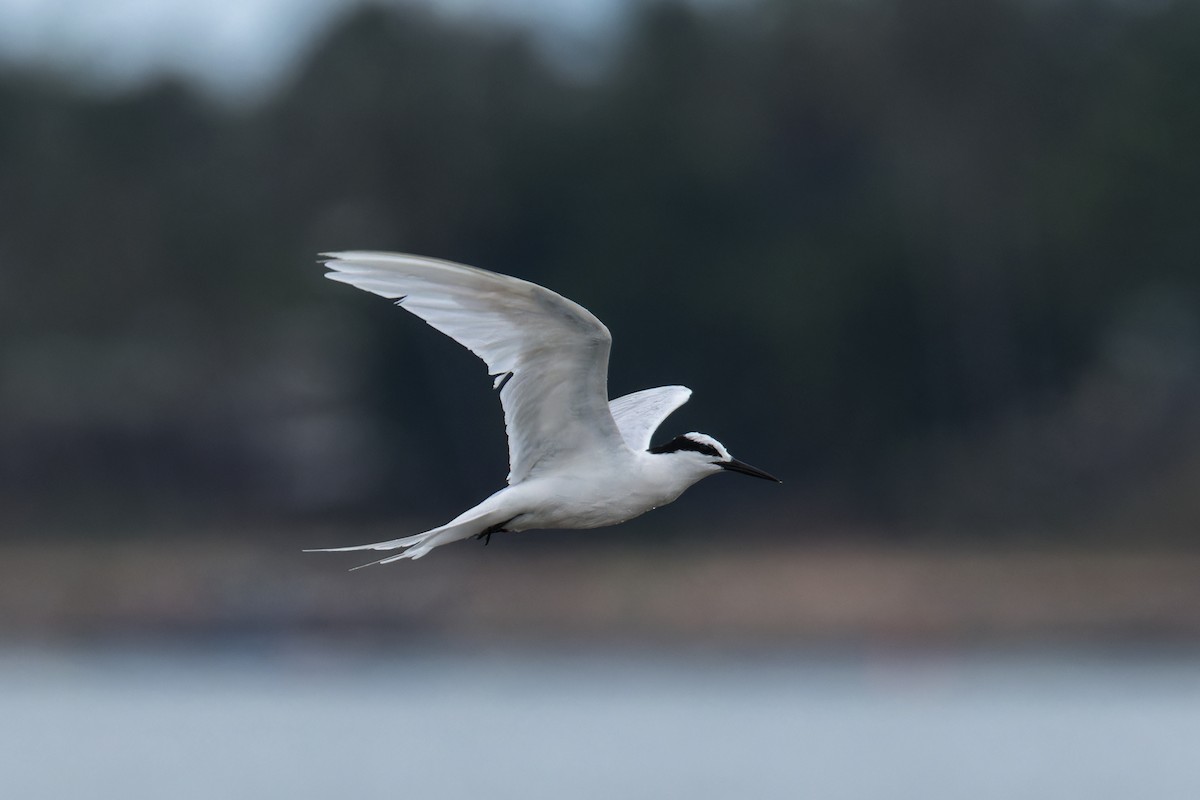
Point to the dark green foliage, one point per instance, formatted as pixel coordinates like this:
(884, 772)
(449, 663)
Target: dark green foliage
(853, 228)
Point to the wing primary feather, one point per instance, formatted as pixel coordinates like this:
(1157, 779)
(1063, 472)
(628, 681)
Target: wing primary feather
(548, 353)
(639, 414)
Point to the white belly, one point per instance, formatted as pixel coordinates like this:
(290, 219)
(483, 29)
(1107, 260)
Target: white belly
(591, 498)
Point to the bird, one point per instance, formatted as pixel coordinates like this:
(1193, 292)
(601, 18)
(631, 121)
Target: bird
(576, 459)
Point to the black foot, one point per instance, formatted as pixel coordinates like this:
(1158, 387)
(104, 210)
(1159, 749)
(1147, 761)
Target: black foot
(497, 528)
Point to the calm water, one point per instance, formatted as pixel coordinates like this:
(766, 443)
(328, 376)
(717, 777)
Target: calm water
(312, 723)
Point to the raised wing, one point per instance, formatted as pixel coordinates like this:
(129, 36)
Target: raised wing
(639, 414)
(550, 354)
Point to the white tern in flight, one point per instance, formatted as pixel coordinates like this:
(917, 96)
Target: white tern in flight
(576, 459)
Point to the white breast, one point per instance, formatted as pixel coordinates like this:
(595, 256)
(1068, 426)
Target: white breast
(596, 495)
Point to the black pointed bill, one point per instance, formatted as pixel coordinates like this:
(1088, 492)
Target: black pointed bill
(733, 465)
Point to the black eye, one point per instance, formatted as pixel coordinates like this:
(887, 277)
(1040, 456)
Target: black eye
(685, 443)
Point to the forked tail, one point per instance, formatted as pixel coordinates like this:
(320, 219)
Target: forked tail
(471, 523)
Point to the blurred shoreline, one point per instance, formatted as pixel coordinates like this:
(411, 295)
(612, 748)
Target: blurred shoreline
(525, 591)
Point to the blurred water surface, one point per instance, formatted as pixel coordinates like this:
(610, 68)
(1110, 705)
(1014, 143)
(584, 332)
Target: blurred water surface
(319, 722)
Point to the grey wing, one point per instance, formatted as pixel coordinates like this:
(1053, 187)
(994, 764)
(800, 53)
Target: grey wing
(550, 354)
(639, 414)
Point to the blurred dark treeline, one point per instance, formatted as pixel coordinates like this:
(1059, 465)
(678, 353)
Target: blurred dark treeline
(933, 262)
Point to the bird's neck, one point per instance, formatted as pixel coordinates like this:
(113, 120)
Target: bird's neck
(671, 474)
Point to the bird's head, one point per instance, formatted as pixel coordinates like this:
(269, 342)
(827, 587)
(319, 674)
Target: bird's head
(707, 456)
